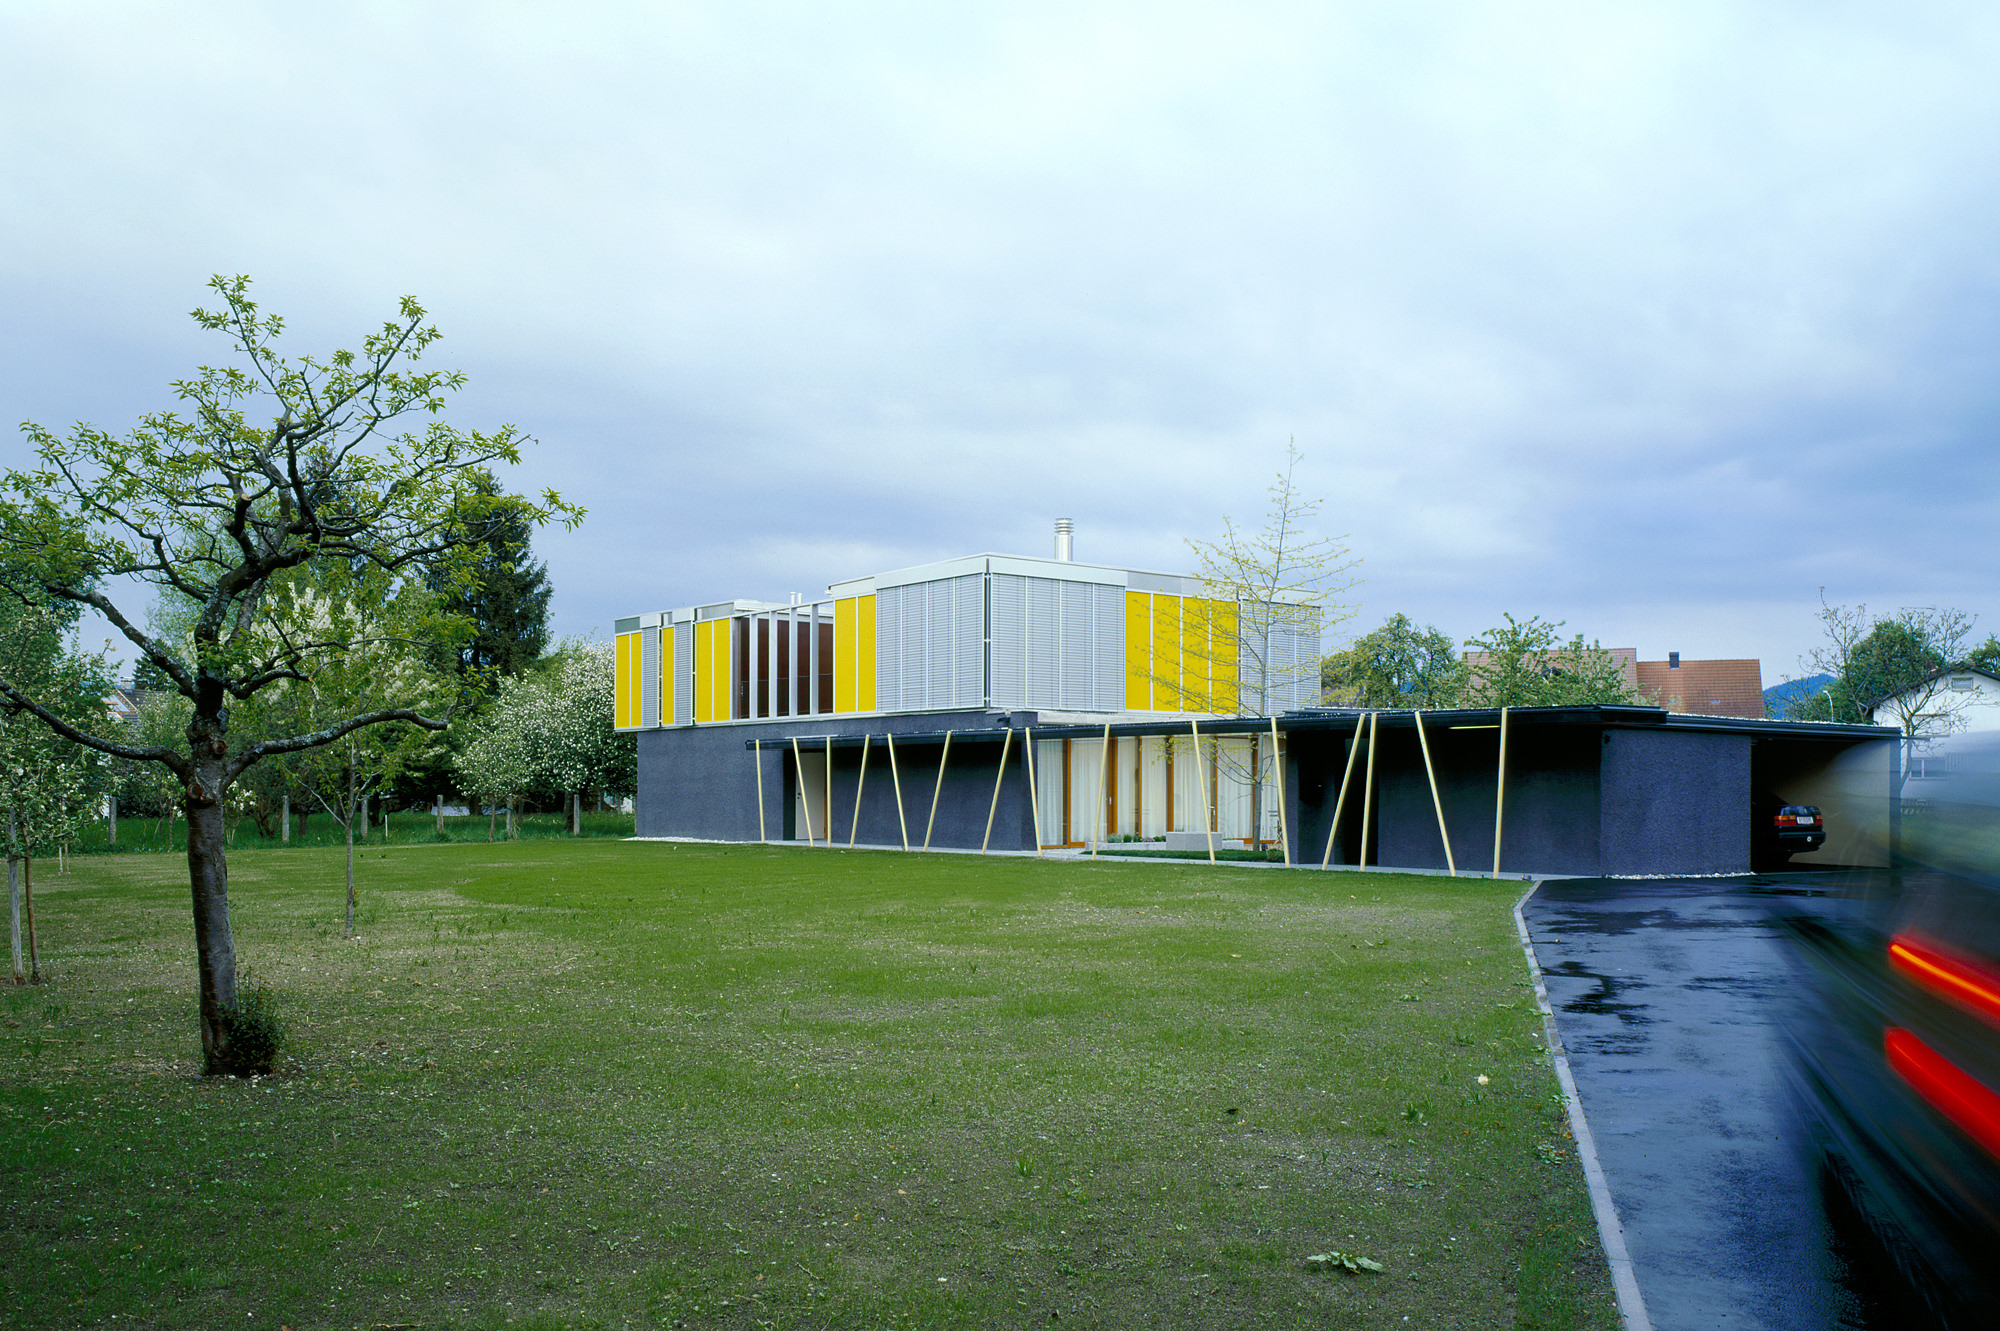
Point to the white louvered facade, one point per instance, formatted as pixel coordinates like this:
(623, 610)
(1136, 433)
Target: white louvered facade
(930, 649)
(649, 675)
(1056, 644)
(1279, 655)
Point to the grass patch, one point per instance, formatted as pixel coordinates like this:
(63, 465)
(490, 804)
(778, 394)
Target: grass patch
(562, 1084)
(1239, 855)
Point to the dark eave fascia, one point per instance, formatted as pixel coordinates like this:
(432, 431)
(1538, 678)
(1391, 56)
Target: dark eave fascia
(1615, 716)
(1344, 719)
(997, 733)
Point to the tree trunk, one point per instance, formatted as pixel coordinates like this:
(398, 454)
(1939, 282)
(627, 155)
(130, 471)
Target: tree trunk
(28, 900)
(208, 879)
(1256, 793)
(353, 807)
(111, 820)
(513, 833)
(575, 814)
(14, 901)
(440, 813)
(285, 819)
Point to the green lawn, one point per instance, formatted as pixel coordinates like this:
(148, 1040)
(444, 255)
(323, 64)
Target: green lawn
(602, 1083)
(142, 835)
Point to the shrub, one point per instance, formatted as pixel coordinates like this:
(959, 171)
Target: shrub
(256, 1034)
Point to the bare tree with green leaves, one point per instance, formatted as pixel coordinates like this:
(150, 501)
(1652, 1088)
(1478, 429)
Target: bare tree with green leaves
(1898, 663)
(1274, 592)
(217, 506)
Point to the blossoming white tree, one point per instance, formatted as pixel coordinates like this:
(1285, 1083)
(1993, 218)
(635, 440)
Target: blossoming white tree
(553, 727)
(47, 785)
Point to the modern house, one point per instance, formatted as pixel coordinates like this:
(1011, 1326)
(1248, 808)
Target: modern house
(965, 650)
(1011, 703)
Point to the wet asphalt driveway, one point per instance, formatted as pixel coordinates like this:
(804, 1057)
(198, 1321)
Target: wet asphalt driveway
(1668, 997)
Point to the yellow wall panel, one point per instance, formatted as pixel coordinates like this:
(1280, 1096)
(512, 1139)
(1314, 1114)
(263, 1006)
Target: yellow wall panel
(1139, 682)
(621, 680)
(864, 653)
(635, 693)
(1166, 660)
(704, 704)
(1197, 614)
(712, 677)
(1222, 656)
(722, 673)
(845, 637)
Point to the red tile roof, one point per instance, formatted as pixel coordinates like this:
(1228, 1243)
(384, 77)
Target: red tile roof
(1705, 688)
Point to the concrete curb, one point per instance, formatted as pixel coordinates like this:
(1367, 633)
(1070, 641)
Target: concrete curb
(1624, 1282)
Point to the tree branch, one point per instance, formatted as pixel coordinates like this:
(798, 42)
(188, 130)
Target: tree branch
(314, 739)
(135, 752)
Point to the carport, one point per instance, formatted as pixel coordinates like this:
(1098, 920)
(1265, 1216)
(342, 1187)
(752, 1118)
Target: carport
(1585, 791)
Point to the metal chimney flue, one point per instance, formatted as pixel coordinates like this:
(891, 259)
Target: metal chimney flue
(1065, 540)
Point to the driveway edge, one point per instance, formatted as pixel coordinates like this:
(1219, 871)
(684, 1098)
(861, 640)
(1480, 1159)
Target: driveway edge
(1624, 1283)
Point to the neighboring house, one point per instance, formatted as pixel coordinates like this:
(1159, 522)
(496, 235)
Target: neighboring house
(1694, 688)
(123, 703)
(1731, 687)
(1626, 659)
(1956, 700)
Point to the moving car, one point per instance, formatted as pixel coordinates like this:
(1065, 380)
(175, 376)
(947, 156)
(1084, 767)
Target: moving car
(1895, 1044)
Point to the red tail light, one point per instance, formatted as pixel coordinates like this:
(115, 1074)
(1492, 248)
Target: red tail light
(1952, 978)
(1948, 1088)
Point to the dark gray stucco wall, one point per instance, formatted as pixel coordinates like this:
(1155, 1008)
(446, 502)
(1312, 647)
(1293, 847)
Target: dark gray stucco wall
(1314, 762)
(1551, 821)
(1675, 803)
(700, 781)
(963, 798)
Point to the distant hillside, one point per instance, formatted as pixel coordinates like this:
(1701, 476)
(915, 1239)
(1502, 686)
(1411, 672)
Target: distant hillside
(1779, 695)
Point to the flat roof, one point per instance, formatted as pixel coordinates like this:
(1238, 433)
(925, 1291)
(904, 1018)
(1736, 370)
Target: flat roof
(1604, 716)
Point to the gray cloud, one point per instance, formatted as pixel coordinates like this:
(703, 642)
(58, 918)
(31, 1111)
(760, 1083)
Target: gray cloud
(1651, 318)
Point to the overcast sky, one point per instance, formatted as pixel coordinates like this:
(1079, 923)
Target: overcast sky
(1654, 318)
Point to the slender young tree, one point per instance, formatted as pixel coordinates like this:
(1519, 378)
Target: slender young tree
(217, 505)
(1271, 593)
(368, 609)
